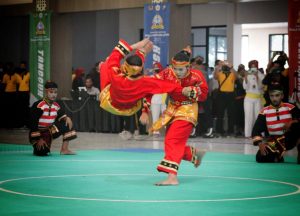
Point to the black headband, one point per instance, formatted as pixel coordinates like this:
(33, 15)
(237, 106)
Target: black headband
(50, 84)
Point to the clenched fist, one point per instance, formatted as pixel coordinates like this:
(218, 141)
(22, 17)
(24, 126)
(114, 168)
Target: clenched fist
(186, 91)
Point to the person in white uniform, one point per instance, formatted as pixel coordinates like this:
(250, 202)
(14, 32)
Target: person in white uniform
(253, 100)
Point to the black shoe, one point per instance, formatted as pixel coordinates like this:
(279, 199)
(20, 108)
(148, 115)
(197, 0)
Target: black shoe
(298, 158)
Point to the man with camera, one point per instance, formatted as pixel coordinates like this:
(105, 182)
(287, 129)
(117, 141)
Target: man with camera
(277, 74)
(226, 77)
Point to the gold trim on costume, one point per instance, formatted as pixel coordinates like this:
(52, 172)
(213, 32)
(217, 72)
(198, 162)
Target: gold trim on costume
(169, 165)
(131, 70)
(105, 103)
(180, 64)
(257, 138)
(69, 134)
(35, 134)
(187, 112)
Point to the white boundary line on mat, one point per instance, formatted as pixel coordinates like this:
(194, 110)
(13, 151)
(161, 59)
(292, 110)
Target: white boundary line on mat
(297, 191)
(108, 160)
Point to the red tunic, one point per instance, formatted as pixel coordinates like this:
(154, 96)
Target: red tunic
(195, 79)
(126, 91)
(180, 115)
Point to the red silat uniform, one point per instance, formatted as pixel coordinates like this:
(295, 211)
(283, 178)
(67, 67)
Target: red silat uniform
(180, 117)
(121, 93)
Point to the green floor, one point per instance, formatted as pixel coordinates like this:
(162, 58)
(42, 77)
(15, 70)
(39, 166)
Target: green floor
(120, 182)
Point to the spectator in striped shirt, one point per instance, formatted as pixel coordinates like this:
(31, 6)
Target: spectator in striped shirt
(48, 121)
(280, 124)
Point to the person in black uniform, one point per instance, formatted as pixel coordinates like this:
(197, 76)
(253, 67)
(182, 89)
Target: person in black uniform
(48, 121)
(281, 124)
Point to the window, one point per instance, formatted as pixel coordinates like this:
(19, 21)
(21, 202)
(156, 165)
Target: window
(245, 49)
(210, 43)
(278, 42)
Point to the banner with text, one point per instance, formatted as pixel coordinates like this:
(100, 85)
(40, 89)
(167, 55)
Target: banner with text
(156, 27)
(39, 53)
(294, 49)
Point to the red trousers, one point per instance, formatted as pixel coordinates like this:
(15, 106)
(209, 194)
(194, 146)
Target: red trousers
(176, 149)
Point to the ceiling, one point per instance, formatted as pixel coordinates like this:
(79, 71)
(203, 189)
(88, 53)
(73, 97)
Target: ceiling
(14, 2)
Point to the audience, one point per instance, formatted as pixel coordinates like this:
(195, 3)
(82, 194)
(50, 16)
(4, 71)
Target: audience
(277, 74)
(239, 101)
(234, 95)
(10, 95)
(23, 81)
(205, 108)
(226, 76)
(90, 88)
(78, 80)
(254, 89)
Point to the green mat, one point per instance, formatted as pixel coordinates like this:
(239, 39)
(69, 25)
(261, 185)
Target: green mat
(121, 183)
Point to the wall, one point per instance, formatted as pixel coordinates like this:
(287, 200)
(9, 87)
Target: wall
(61, 53)
(208, 14)
(83, 39)
(233, 15)
(131, 21)
(107, 33)
(259, 43)
(262, 12)
(180, 28)
(14, 37)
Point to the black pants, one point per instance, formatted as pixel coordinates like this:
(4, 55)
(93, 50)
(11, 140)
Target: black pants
(225, 103)
(23, 114)
(53, 132)
(291, 138)
(205, 119)
(128, 123)
(239, 115)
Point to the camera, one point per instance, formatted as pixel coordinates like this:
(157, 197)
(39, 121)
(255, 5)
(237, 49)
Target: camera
(280, 53)
(252, 70)
(225, 69)
(276, 71)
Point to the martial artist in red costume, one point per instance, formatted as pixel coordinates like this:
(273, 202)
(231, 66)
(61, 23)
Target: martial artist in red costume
(124, 86)
(180, 116)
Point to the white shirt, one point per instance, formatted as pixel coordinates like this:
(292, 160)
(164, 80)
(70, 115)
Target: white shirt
(253, 85)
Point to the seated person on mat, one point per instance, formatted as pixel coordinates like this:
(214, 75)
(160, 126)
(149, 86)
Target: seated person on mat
(280, 123)
(48, 121)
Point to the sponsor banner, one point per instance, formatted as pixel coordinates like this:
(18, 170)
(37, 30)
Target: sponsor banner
(39, 53)
(156, 27)
(294, 49)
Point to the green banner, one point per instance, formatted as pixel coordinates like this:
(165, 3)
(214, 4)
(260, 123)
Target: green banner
(39, 53)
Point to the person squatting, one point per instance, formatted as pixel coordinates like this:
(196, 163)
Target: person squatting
(279, 122)
(49, 121)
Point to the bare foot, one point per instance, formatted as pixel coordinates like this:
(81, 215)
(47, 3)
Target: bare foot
(199, 155)
(67, 152)
(170, 181)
